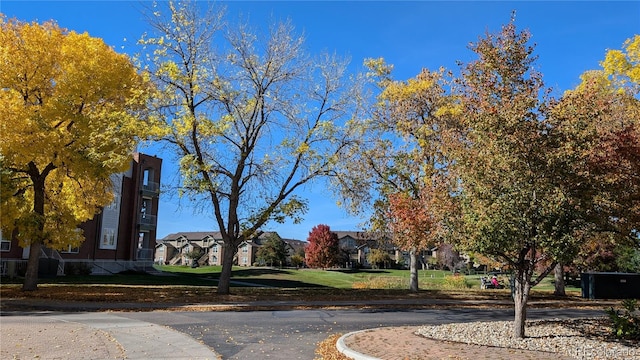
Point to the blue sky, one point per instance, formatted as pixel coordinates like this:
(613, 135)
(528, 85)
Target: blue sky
(571, 37)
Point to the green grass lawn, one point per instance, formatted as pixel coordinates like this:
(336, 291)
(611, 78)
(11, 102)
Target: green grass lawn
(348, 279)
(294, 278)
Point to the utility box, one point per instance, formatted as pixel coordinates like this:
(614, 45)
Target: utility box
(47, 268)
(610, 285)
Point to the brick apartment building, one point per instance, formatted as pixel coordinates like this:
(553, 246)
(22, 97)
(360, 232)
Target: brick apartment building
(121, 237)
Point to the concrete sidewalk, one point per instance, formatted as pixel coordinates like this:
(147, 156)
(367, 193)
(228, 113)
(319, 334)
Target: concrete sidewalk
(103, 336)
(96, 335)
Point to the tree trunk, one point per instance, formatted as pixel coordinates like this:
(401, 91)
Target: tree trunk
(413, 277)
(558, 273)
(224, 282)
(38, 180)
(521, 295)
(31, 275)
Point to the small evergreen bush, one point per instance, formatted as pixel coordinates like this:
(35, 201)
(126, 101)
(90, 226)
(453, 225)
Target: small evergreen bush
(625, 323)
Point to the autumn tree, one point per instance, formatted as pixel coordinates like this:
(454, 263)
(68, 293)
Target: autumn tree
(414, 227)
(595, 154)
(602, 113)
(273, 251)
(510, 206)
(621, 68)
(449, 257)
(529, 192)
(604, 252)
(597, 126)
(297, 260)
(251, 117)
(378, 258)
(70, 110)
(615, 158)
(323, 249)
(398, 169)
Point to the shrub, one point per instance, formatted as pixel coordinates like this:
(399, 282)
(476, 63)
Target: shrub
(455, 282)
(625, 323)
(194, 254)
(327, 349)
(77, 268)
(381, 282)
(297, 260)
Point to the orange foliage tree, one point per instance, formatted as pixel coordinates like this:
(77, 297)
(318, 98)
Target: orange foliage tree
(398, 166)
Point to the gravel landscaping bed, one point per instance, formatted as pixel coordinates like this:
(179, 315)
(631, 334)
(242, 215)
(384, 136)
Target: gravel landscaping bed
(577, 338)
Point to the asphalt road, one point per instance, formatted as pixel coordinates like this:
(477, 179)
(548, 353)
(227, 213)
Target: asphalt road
(295, 334)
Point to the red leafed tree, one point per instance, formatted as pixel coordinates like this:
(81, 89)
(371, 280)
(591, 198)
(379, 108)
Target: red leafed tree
(415, 225)
(323, 250)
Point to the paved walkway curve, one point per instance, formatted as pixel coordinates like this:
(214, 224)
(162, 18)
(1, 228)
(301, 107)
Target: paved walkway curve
(73, 331)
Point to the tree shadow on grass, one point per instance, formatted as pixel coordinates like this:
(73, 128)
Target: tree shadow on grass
(361, 271)
(276, 283)
(251, 272)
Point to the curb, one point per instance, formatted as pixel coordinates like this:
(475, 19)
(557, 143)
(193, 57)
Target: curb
(344, 349)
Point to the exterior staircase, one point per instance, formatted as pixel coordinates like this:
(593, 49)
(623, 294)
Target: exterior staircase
(204, 259)
(55, 255)
(176, 260)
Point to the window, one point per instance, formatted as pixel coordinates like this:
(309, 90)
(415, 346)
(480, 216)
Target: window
(245, 249)
(214, 248)
(108, 240)
(71, 250)
(146, 174)
(143, 240)
(348, 243)
(5, 245)
(145, 212)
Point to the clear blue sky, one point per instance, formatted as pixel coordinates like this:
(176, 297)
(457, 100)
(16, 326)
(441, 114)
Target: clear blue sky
(571, 37)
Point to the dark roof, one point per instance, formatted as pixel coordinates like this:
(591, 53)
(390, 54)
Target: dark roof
(199, 235)
(295, 244)
(193, 235)
(357, 235)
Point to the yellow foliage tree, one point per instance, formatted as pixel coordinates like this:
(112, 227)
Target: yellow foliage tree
(70, 110)
(623, 66)
(251, 117)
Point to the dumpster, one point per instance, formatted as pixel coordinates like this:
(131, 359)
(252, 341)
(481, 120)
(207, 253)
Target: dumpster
(610, 285)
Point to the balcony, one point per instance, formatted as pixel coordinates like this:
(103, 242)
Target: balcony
(150, 189)
(147, 221)
(144, 254)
